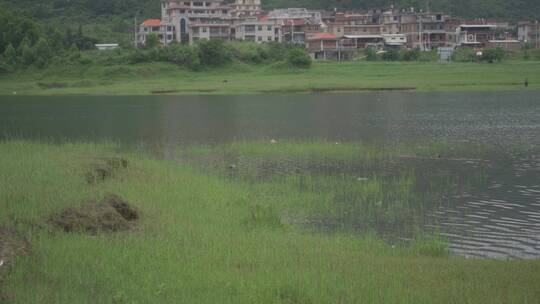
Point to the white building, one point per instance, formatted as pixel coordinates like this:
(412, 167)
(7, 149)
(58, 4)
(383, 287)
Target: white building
(244, 8)
(256, 30)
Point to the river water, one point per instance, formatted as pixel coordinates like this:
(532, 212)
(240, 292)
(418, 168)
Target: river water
(500, 220)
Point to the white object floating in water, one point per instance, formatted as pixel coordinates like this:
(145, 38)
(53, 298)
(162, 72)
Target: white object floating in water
(362, 179)
(1, 263)
(273, 141)
(14, 93)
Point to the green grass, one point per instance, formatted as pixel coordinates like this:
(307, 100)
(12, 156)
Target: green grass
(143, 79)
(207, 239)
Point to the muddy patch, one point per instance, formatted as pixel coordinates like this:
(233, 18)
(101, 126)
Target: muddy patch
(111, 214)
(12, 245)
(105, 168)
(52, 85)
(158, 92)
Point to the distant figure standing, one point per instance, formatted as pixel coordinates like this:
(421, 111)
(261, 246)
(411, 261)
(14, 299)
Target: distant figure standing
(526, 82)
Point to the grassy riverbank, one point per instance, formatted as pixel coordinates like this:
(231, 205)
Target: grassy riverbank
(163, 78)
(205, 238)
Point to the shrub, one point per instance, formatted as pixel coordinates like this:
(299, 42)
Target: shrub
(85, 60)
(371, 54)
(464, 55)
(535, 54)
(299, 58)
(248, 52)
(10, 55)
(428, 56)
(74, 53)
(140, 56)
(493, 55)
(410, 55)
(182, 55)
(213, 52)
(276, 51)
(4, 68)
(391, 55)
(152, 41)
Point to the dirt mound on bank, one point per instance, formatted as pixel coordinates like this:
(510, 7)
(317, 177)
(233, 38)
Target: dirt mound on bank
(12, 245)
(112, 214)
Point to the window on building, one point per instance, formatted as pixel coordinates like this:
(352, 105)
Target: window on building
(260, 27)
(269, 28)
(204, 30)
(269, 38)
(260, 38)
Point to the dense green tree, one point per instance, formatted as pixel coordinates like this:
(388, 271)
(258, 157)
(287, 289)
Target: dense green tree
(42, 53)
(183, 55)
(298, 57)
(74, 52)
(213, 52)
(44, 9)
(10, 55)
(371, 54)
(493, 55)
(391, 55)
(28, 54)
(152, 41)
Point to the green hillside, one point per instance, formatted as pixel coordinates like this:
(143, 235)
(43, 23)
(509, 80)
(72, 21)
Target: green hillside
(503, 9)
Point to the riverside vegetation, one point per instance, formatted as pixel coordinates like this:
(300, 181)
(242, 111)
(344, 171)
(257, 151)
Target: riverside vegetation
(208, 234)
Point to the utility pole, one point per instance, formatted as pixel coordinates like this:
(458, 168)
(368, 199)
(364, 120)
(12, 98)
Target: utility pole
(537, 34)
(420, 30)
(135, 32)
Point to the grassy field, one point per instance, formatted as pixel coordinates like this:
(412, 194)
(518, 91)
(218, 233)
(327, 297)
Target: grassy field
(161, 78)
(203, 238)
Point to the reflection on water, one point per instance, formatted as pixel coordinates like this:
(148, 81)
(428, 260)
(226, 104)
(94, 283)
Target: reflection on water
(500, 219)
(381, 117)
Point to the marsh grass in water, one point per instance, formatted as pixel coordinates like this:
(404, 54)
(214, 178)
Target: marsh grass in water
(347, 186)
(203, 238)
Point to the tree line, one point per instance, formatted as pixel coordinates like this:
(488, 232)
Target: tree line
(24, 42)
(499, 9)
(502, 9)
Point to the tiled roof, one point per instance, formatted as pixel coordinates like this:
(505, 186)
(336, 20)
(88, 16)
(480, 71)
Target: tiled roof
(323, 36)
(152, 22)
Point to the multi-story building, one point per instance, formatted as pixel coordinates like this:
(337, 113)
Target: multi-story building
(194, 20)
(529, 33)
(427, 31)
(476, 34)
(327, 34)
(257, 30)
(295, 23)
(246, 8)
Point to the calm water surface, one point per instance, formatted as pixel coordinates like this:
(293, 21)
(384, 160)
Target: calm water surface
(501, 220)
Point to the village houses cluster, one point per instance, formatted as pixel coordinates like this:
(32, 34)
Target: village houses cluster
(331, 34)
